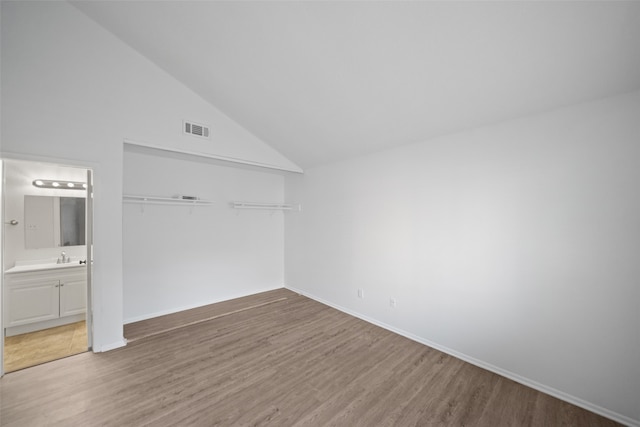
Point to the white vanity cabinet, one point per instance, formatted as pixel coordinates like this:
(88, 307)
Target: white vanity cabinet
(73, 296)
(36, 300)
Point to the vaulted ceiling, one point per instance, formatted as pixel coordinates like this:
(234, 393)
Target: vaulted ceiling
(325, 80)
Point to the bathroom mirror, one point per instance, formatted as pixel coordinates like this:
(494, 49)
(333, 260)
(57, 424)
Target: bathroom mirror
(52, 221)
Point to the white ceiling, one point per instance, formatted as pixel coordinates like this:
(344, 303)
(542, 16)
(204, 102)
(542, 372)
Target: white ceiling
(321, 81)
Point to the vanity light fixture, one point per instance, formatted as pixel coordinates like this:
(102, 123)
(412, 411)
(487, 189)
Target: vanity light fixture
(60, 185)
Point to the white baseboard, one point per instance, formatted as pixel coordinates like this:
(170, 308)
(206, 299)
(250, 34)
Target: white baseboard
(484, 365)
(195, 305)
(38, 326)
(111, 346)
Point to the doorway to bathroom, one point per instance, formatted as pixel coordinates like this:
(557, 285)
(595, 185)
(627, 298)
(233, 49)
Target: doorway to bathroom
(46, 262)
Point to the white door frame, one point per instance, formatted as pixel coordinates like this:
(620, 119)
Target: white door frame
(1, 264)
(88, 238)
(89, 259)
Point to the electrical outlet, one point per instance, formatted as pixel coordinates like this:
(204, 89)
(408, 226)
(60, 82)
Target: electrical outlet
(393, 302)
(360, 293)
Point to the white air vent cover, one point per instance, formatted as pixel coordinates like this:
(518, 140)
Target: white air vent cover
(196, 129)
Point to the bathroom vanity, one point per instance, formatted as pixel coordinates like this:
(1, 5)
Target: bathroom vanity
(45, 295)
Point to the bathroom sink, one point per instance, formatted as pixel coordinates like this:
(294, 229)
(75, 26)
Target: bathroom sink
(41, 264)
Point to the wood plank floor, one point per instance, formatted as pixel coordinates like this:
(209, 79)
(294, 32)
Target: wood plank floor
(137, 330)
(293, 362)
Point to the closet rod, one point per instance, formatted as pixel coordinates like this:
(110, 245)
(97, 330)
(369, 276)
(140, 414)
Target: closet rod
(271, 206)
(155, 200)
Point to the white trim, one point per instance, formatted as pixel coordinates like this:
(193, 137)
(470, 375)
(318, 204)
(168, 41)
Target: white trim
(212, 156)
(196, 305)
(489, 367)
(11, 331)
(1, 264)
(71, 163)
(112, 346)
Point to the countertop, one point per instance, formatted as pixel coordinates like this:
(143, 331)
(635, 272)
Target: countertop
(24, 267)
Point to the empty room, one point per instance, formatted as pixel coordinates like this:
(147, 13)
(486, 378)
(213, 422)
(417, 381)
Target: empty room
(348, 213)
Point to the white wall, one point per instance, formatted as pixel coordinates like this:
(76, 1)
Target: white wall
(516, 246)
(71, 93)
(179, 257)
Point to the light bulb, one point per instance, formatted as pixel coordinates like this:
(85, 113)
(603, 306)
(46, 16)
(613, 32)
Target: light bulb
(55, 184)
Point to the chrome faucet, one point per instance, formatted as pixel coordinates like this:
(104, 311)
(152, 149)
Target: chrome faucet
(64, 258)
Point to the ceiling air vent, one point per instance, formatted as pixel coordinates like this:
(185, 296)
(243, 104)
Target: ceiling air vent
(196, 129)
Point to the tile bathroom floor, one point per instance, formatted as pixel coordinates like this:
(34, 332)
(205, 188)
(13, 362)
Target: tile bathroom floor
(25, 350)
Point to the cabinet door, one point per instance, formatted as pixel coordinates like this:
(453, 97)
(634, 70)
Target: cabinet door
(31, 302)
(73, 297)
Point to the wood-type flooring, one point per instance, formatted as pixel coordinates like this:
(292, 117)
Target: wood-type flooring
(290, 362)
(33, 348)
